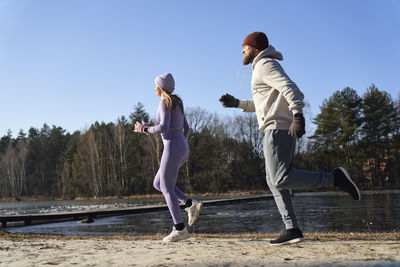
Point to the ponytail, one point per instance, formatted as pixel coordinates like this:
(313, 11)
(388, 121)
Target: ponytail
(171, 101)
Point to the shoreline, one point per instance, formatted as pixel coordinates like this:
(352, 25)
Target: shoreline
(156, 196)
(318, 249)
(330, 236)
(144, 196)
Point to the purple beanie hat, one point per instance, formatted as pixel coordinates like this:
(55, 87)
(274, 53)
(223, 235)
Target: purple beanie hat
(166, 82)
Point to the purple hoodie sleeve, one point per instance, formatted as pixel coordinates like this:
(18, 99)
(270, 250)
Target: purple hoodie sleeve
(185, 127)
(165, 118)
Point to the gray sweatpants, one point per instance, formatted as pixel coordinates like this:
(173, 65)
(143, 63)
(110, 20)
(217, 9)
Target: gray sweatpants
(278, 152)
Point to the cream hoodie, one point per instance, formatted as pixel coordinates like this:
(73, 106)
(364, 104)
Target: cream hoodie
(276, 98)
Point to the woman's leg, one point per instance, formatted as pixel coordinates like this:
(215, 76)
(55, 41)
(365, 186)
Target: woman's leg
(179, 193)
(156, 182)
(182, 198)
(171, 161)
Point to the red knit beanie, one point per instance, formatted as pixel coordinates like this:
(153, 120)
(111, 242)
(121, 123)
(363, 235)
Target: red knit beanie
(257, 40)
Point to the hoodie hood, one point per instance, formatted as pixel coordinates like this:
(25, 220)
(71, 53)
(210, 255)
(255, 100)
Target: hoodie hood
(270, 52)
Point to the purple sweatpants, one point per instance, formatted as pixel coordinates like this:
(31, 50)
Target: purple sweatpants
(176, 152)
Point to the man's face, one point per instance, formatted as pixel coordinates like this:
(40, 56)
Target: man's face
(249, 54)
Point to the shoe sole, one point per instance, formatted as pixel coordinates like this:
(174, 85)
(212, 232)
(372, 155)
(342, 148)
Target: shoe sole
(172, 241)
(293, 241)
(351, 181)
(198, 215)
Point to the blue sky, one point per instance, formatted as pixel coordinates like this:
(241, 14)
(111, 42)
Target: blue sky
(70, 63)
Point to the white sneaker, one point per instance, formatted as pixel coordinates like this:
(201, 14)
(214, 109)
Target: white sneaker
(194, 211)
(176, 235)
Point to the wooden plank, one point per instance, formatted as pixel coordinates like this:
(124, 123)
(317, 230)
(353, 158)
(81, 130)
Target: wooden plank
(235, 200)
(29, 219)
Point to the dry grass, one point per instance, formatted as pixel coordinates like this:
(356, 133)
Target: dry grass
(144, 196)
(334, 236)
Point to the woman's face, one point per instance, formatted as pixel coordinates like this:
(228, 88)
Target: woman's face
(158, 90)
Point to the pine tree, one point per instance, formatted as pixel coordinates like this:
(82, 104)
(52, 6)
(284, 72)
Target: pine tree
(139, 114)
(380, 123)
(338, 125)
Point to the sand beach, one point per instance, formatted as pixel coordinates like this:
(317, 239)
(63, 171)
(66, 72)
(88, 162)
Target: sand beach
(319, 249)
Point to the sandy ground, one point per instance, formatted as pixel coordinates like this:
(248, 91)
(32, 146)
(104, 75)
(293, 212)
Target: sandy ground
(333, 249)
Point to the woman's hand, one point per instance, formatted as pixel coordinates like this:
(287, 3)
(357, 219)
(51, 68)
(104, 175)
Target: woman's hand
(141, 127)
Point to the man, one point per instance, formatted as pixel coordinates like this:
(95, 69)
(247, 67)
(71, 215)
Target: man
(278, 104)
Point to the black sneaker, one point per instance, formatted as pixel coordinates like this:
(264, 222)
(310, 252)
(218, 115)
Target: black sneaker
(289, 236)
(342, 180)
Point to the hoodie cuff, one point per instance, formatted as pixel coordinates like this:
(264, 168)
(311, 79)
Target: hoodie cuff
(295, 111)
(246, 105)
(242, 105)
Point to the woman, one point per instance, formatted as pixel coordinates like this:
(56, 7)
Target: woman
(173, 128)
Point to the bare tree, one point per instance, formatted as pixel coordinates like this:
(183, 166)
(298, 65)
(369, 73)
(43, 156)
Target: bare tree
(152, 145)
(245, 128)
(119, 157)
(65, 173)
(13, 164)
(197, 118)
(94, 162)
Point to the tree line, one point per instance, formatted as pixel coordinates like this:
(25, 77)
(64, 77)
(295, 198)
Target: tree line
(109, 159)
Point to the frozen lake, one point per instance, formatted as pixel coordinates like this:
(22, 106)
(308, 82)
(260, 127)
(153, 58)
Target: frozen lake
(378, 211)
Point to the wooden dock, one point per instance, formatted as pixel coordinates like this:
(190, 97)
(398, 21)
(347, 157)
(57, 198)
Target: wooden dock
(29, 219)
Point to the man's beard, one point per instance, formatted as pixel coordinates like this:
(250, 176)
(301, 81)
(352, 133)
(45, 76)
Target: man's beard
(248, 59)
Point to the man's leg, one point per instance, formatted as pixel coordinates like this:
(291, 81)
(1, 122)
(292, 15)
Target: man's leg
(281, 196)
(279, 160)
(278, 152)
(284, 203)
(283, 176)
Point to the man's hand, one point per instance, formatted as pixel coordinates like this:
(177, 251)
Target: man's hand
(297, 128)
(229, 101)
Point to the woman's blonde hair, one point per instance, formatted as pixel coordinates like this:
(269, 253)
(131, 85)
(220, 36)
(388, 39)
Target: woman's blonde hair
(171, 101)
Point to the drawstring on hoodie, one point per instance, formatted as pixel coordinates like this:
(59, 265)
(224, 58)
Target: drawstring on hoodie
(245, 76)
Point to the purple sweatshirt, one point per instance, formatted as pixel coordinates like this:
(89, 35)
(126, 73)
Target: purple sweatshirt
(171, 123)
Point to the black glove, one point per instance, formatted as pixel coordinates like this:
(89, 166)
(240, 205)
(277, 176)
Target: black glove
(229, 101)
(297, 128)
